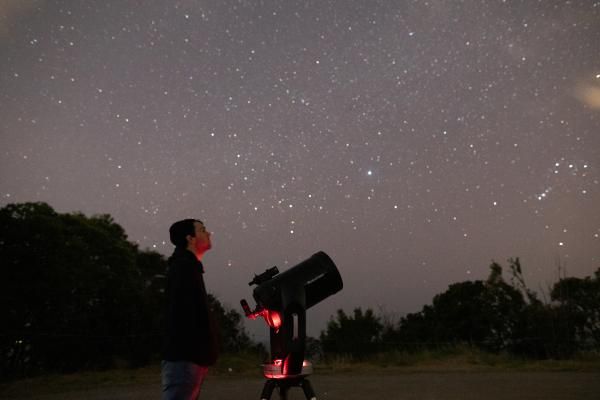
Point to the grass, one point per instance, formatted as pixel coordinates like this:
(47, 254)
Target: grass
(457, 359)
(243, 364)
(246, 366)
(59, 383)
(239, 365)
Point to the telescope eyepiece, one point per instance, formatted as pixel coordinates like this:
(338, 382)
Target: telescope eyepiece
(246, 307)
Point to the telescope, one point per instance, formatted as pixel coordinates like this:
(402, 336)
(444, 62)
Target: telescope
(282, 299)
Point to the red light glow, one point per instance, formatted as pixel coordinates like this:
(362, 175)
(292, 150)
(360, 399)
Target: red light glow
(278, 369)
(273, 319)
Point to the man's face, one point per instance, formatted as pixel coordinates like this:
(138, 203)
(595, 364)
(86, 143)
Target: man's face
(201, 242)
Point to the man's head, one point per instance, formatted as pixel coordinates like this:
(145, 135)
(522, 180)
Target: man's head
(192, 235)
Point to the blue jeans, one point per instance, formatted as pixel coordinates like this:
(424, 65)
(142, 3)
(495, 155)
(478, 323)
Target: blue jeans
(181, 380)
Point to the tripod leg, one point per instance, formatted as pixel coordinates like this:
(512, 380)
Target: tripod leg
(309, 393)
(268, 389)
(283, 391)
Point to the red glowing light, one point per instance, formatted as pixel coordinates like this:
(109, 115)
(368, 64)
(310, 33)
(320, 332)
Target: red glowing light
(278, 369)
(286, 366)
(273, 319)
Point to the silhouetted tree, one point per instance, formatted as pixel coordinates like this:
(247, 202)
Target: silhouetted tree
(75, 293)
(481, 313)
(358, 335)
(579, 300)
(69, 287)
(314, 349)
(146, 344)
(518, 281)
(233, 336)
(559, 329)
(495, 315)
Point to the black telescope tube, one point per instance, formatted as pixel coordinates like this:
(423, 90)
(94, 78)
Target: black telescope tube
(317, 275)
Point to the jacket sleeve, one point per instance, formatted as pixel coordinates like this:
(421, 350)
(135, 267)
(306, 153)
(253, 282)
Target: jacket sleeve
(210, 330)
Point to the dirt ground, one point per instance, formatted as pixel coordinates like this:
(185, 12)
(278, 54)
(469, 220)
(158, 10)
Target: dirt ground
(422, 386)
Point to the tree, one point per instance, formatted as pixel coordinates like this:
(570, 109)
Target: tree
(75, 293)
(518, 281)
(580, 300)
(233, 335)
(495, 315)
(481, 313)
(146, 344)
(358, 335)
(569, 324)
(70, 288)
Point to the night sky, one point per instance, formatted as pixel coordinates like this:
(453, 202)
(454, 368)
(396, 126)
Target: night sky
(412, 141)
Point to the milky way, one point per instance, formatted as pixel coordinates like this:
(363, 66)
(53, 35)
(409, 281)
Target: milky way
(412, 141)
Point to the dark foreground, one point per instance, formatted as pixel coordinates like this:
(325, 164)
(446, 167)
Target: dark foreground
(389, 385)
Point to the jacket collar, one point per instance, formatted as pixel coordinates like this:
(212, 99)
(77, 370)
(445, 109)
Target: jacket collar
(181, 252)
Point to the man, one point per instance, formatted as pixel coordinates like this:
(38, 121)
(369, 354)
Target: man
(190, 346)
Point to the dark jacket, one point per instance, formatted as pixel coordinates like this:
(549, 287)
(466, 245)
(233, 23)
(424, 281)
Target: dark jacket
(190, 331)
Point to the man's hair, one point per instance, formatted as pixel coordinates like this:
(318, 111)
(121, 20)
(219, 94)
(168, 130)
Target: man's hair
(180, 230)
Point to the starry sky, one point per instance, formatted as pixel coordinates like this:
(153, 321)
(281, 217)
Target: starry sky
(413, 141)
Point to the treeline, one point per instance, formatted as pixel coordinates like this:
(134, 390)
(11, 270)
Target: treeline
(75, 294)
(493, 315)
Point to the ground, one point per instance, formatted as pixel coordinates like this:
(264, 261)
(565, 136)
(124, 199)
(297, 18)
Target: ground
(489, 385)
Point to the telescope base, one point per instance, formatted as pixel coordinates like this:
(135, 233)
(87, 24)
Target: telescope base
(284, 385)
